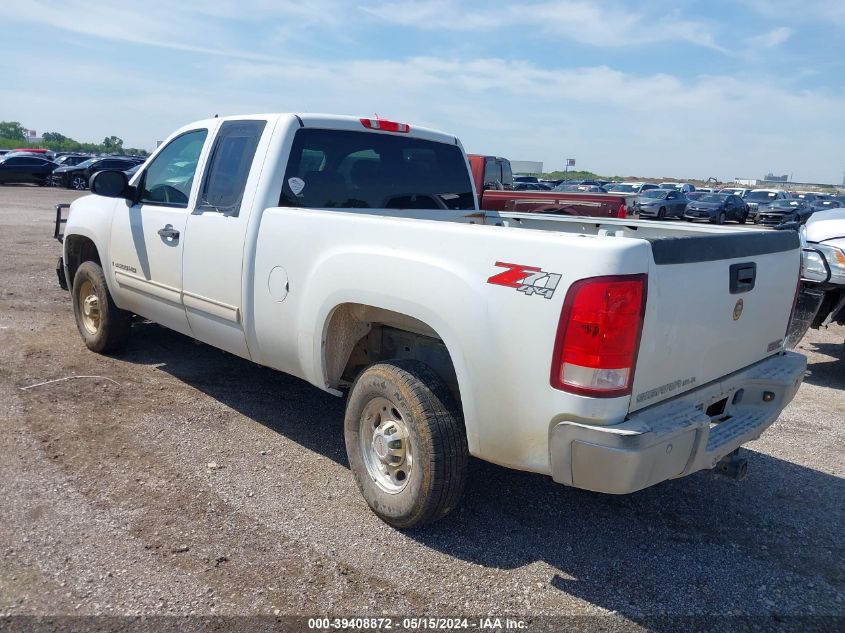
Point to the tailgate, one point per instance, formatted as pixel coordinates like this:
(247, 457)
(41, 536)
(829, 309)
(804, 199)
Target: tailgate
(716, 304)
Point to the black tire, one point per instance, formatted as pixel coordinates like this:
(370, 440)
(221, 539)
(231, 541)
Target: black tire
(112, 328)
(742, 217)
(661, 213)
(721, 218)
(436, 440)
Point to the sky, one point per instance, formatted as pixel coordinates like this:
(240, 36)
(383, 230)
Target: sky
(653, 88)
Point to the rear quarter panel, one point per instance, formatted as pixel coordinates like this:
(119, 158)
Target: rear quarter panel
(500, 340)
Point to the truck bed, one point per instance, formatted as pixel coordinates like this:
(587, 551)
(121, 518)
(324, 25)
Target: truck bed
(719, 298)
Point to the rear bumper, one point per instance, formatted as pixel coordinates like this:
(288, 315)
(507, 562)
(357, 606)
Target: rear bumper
(675, 438)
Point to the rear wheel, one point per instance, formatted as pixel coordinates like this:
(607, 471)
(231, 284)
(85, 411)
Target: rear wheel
(406, 443)
(104, 327)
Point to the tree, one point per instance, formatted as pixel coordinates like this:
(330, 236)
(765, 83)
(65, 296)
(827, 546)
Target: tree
(12, 130)
(54, 137)
(113, 144)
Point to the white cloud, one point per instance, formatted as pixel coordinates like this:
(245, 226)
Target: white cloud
(607, 24)
(771, 39)
(832, 11)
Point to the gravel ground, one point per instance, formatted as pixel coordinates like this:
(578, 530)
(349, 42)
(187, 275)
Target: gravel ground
(200, 483)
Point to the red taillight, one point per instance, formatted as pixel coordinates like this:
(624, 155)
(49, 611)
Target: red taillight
(598, 336)
(623, 211)
(385, 126)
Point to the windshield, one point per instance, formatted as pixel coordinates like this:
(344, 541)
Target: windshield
(621, 187)
(714, 197)
(784, 204)
(669, 185)
(755, 196)
(86, 163)
(369, 170)
(655, 193)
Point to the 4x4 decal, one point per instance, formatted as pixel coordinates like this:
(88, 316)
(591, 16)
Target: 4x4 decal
(528, 279)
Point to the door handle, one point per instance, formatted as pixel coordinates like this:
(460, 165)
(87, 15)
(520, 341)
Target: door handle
(168, 232)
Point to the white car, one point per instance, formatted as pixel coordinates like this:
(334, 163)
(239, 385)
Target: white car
(610, 354)
(634, 188)
(683, 187)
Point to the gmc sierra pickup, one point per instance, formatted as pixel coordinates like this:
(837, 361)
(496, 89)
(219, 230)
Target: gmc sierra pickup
(493, 181)
(610, 354)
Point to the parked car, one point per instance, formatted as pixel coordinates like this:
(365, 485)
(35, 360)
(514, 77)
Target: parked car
(530, 186)
(717, 208)
(519, 178)
(822, 298)
(737, 191)
(758, 199)
(282, 227)
(661, 204)
(696, 195)
(78, 176)
(706, 189)
(683, 187)
(69, 160)
(781, 211)
(629, 187)
(25, 169)
(823, 204)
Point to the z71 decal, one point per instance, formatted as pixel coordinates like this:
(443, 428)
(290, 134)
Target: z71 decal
(527, 279)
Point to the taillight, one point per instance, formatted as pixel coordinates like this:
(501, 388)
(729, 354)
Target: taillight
(385, 126)
(598, 336)
(623, 211)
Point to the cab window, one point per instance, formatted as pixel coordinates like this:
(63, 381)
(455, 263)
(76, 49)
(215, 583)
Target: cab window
(168, 178)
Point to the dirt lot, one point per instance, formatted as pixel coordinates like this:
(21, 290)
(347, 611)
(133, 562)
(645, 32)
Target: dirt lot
(200, 483)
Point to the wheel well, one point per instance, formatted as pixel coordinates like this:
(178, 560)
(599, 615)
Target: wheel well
(358, 335)
(79, 249)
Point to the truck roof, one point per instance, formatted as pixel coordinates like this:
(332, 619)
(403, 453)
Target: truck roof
(333, 121)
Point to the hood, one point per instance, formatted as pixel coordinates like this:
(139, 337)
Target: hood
(644, 200)
(826, 225)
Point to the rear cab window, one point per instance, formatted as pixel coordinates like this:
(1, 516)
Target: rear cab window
(370, 170)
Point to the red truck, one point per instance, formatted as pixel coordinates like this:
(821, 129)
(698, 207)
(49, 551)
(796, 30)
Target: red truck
(493, 179)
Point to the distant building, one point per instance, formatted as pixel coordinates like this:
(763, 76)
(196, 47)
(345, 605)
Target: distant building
(770, 177)
(32, 137)
(527, 167)
(748, 182)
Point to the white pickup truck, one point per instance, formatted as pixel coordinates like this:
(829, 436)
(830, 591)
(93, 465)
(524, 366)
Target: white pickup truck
(609, 354)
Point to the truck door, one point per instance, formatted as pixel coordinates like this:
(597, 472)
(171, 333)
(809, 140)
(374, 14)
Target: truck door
(217, 225)
(148, 237)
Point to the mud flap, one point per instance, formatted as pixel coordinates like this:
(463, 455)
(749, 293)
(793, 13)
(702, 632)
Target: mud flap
(809, 302)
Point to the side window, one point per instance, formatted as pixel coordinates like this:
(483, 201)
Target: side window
(168, 178)
(228, 168)
(492, 173)
(507, 175)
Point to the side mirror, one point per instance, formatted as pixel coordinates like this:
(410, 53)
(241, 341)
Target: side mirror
(111, 184)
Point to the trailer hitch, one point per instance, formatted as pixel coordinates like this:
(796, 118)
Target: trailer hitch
(733, 466)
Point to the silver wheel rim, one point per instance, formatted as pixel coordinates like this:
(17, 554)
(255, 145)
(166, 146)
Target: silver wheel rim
(385, 445)
(78, 183)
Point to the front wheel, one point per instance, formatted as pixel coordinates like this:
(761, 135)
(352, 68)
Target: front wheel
(104, 327)
(661, 214)
(406, 443)
(721, 218)
(77, 182)
(742, 217)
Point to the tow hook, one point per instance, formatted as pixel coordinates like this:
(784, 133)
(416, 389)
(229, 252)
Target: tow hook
(733, 466)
